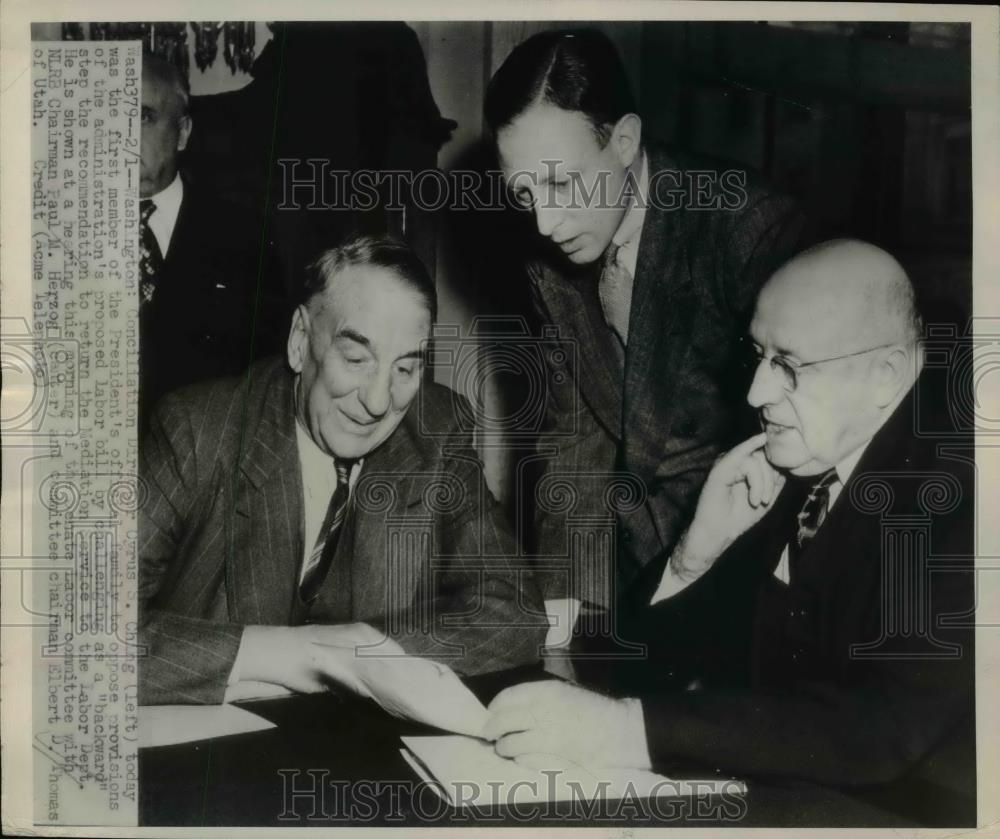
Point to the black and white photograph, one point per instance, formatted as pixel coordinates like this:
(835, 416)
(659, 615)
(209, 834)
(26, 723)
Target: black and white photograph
(417, 417)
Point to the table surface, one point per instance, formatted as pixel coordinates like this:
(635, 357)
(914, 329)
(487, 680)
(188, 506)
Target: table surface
(350, 749)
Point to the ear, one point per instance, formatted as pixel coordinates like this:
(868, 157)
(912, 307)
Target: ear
(183, 131)
(627, 138)
(892, 373)
(298, 339)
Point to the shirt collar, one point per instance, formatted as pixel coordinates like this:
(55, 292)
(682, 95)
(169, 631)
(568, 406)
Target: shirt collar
(168, 206)
(631, 223)
(317, 465)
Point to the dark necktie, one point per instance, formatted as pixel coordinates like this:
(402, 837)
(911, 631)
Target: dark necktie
(615, 291)
(326, 543)
(150, 256)
(810, 519)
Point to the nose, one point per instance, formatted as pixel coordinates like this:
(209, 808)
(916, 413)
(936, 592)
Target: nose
(547, 217)
(766, 387)
(375, 394)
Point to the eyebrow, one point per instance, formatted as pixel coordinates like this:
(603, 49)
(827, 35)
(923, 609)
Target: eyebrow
(782, 351)
(358, 338)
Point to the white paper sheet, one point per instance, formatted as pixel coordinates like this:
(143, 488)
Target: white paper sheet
(166, 725)
(470, 773)
(419, 689)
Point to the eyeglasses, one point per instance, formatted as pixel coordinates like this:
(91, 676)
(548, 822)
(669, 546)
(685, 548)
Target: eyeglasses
(786, 369)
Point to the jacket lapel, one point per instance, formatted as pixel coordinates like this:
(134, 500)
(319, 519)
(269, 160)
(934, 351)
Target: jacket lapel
(386, 542)
(268, 512)
(574, 307)
(661, 318)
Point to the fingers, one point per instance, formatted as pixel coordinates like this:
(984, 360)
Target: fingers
(759, 478)
(746, 448)
(524, 742)
(526, 693)
(505, 722)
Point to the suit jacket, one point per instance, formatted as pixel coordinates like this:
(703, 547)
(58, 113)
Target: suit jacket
(864, 664)
(217, 303)
(661, 411)
(424, 552)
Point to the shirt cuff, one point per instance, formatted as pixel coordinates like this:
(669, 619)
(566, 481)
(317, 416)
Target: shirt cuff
(670, 584)
(562, 615)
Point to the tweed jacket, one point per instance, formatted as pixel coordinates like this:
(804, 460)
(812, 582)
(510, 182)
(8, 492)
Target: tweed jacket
(630, 435)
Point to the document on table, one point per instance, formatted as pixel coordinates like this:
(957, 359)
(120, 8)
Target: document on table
(167, 725)
(419, 689)
(467, 772)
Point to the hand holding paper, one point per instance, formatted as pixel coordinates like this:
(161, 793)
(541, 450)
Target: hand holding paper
(422, 690)
(555, 719)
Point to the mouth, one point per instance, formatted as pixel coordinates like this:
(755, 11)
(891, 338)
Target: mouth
(774, 428)
(361, 425)
(568, 245)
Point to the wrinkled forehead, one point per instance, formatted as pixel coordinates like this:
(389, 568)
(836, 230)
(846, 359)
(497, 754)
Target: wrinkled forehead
(375, 302)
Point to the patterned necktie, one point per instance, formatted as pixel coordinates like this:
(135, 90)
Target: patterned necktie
(615, 291)
(150, 257)
(326, 543)
(810, 519)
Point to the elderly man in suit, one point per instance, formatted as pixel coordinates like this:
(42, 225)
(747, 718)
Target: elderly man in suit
(652, 261)
(814, 622)
(204, 271)
(324, 502)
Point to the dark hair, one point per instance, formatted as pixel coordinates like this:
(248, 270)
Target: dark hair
(576, 70)
(380, 251)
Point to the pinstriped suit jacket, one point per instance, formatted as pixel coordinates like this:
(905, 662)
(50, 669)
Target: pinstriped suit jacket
(662, 410)
(424, 553)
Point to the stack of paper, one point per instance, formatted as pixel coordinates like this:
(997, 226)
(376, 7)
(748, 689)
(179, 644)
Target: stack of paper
(468, 773)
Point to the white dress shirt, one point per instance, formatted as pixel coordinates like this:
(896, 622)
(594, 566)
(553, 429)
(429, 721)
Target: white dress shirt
(164, 219)
(319, 480)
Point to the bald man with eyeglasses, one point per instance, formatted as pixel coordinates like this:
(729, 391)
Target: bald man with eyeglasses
(797, 631)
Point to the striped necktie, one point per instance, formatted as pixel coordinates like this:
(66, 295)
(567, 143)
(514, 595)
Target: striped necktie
(810, 519)
(326, 543)
(150, 255)
(615, 290)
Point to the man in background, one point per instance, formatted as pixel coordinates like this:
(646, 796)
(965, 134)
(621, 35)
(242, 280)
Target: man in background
(204, 277)
(649, 262)
(323, 502)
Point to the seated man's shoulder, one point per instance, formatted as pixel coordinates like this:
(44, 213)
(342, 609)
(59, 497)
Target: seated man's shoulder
(217, 410)
(441, 422)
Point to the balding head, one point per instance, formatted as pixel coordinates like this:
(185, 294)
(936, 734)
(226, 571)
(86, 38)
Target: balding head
(846, 290)
(839, 326)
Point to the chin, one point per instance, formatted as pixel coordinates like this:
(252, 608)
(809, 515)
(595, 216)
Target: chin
(781, 457)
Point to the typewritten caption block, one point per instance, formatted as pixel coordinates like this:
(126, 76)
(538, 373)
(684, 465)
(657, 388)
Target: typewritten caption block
(85, 130)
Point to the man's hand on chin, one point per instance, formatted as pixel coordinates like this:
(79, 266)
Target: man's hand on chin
(737, 494)
(310, 658)
(552, 724)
